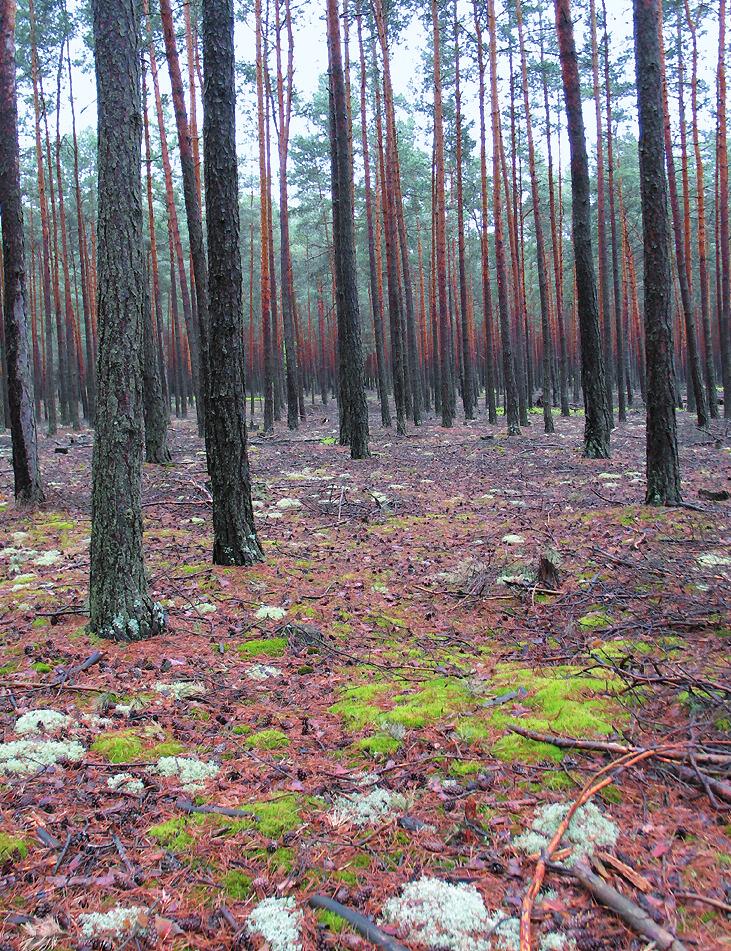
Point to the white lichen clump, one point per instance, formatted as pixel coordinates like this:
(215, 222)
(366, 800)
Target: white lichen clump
(454, 918)
(362, 809)
(441, 915)
(268, 612)
(711, 560)
(117, 922)
(588, 830)
(278, 922)
(25, 757)
(180, 689)
(288, 503)
(513, 539)
(41, 721)
(262, 672)
(127, 782)
(191, 771)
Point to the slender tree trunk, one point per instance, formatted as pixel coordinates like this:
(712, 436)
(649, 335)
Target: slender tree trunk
(155, 408)
(484, 231)
(26, 468)
(708, 363)
(192, 200)
(264, 232)
(234, 535)
(509, 382)
(605, 316)
(120, 606)
(354, 410)
(663, 467)
(694, 362)
(596, 405)
(538, 224)
(445, 330)
(724, 308)
(376, 290)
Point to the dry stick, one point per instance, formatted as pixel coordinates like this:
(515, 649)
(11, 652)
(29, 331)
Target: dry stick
(608, 746)
(68, 672)
(628, 911)
(705, 899)
(364, 926)
(591, 788)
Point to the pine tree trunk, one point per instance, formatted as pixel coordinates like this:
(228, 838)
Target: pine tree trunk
(120, 606)
(234, 535)
(538, 224)
(724, 306)
(512, 410)
(598, 417)
(663, 468)
(354, 409)
(26, 469)
(155, 407)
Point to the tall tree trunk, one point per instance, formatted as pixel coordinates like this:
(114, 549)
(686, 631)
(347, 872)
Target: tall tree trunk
(155, 408)
(120, 606)
(694, 362)
(50, 374)
(605, 316)
(354, 409)
(467, 372)
(192, 200)
(484, 231)
(663, 467)
(376, 289)
(264, 230)
(708, 362)
(512, 410)
(234, 535)
(598, 417)
(538, 224)
(284, 111)
(724, 308)
(440, 227)
(617, 292)
(26, 469)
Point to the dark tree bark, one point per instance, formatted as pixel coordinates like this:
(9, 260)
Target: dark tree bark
(234, 536)
(26, 470)
(354, 409)
(663, 468)
(724, 303)
(155, 408)
(120, 606)
(598, 417)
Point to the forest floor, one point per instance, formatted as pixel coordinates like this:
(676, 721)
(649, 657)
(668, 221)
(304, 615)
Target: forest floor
(355, 695)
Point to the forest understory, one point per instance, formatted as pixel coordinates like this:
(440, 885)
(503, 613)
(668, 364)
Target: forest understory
(355, 695)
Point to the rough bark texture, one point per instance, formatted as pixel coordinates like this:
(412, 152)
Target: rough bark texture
(598, 418)
(155, 407)
(234, 537)
(354, 409)
(724, 309)
(120, 606)
(26, 471)
(663, 469)
(264, 231)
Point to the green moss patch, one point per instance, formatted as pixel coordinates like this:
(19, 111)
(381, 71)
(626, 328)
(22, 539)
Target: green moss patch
(378, 745)
(237, 885)
(172, 835)
(263, 647)
(126, 746)
(268, 740)
(12, 848)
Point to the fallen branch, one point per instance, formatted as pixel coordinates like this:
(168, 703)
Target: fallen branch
(363, 925)
(592, 787)
(705, 899)
(187, 806)
(632, 915)
(68, 672)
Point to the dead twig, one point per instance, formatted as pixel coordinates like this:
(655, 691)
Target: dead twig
(360, 923)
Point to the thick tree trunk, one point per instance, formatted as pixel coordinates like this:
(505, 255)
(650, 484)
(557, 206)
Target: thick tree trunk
(598, 417)
(120, 606)
(663, 468)
(234, 535)
(26, 469)
(354, 409)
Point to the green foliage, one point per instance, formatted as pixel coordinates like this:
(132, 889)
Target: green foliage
(379, 745)
(268, 740)
(173, 834)
(237, 885)
(121, 747)
(263, 647)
